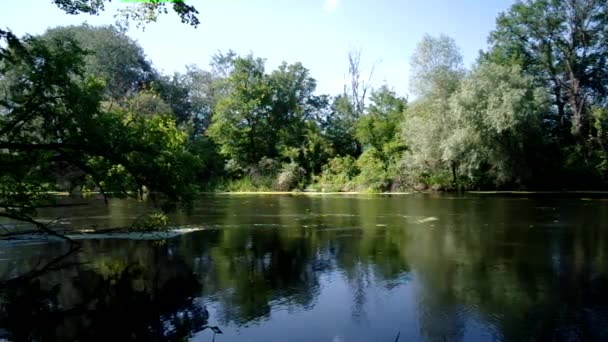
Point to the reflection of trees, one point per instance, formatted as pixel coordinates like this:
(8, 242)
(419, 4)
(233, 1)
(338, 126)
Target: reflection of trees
(519, 276)
(251, 269)
(479, 261)
(119, 299)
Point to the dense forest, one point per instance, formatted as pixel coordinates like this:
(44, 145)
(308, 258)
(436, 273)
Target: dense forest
(83, 109)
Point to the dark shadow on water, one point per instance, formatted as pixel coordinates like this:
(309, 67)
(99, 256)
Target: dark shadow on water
(66, 301)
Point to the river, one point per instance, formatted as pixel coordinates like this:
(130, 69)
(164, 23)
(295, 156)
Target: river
(321, 268)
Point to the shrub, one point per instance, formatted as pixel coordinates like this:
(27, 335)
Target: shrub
(338, 174)
(233, 168)
(246, 184)
(153, 221)
(373, 176)
(290, 177)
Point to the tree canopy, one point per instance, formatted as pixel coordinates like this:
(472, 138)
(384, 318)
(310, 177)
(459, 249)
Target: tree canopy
(54, 117)
(83, 108)
(141, 12)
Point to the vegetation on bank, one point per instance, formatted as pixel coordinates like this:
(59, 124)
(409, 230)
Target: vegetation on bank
(82, 108)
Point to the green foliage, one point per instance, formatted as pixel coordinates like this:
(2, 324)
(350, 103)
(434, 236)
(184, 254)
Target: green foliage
(110, 55)
(379, 127)
(373, 176)
(81, 106)
(338, 174)
(378, 133)
(339, 126)
(600, 124)
(499, 113)
(211, 162)
(192, 96)
(142, 13)
(268, 115)
(242, 184)
(436, 67)
(562, 44)
(52, 115)
(240, 123)
(41, 101)
(485, 134)
(291, 176)
(152, 221)
(437, 75)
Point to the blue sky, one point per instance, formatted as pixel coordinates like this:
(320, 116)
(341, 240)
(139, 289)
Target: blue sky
(317, 33)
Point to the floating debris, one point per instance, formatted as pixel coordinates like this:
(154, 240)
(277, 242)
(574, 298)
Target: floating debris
(37, 238)
(427, 219)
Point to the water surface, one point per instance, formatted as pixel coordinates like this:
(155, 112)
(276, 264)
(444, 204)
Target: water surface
(321, 268)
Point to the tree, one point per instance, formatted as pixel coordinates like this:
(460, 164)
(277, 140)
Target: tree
(562, 43)
(358, 88)
(240, 123)
(378, 133)
(267, 115)
(52, 113)
(339, 126)
(110, 55)
(497, 139)
(436, 67)
(294, 110)
(142, 13)
(380, 126)
(191, 95)
(437, 71)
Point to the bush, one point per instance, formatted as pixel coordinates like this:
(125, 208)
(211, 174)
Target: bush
(152, 221)
(373, 176)
(257, 177)
(246, 184)
(263, 173)
(290, 177)
(440, 181)
(268, 167)
(233, 168)
(338, 174)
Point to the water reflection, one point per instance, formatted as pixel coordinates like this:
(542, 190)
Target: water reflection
(140, 293)
(276, 268)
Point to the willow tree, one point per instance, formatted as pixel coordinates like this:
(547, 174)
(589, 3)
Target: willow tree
(497, 135)
(437, 70)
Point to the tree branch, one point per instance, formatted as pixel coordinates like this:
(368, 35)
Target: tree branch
(39, 225)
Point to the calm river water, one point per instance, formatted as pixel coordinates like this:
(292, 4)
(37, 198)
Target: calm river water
(321, 268)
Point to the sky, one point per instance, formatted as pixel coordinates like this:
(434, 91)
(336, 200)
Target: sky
(317, 33)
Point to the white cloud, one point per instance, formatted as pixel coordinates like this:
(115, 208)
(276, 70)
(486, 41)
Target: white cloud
(330, 5)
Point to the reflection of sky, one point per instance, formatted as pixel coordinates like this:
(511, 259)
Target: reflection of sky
(331, 318)
(384, 314)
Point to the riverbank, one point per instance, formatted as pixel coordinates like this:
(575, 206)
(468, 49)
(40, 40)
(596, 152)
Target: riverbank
(320, 193)
(307, 193)
(502, 193)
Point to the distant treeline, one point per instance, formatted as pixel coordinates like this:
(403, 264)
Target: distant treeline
(531, 113)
